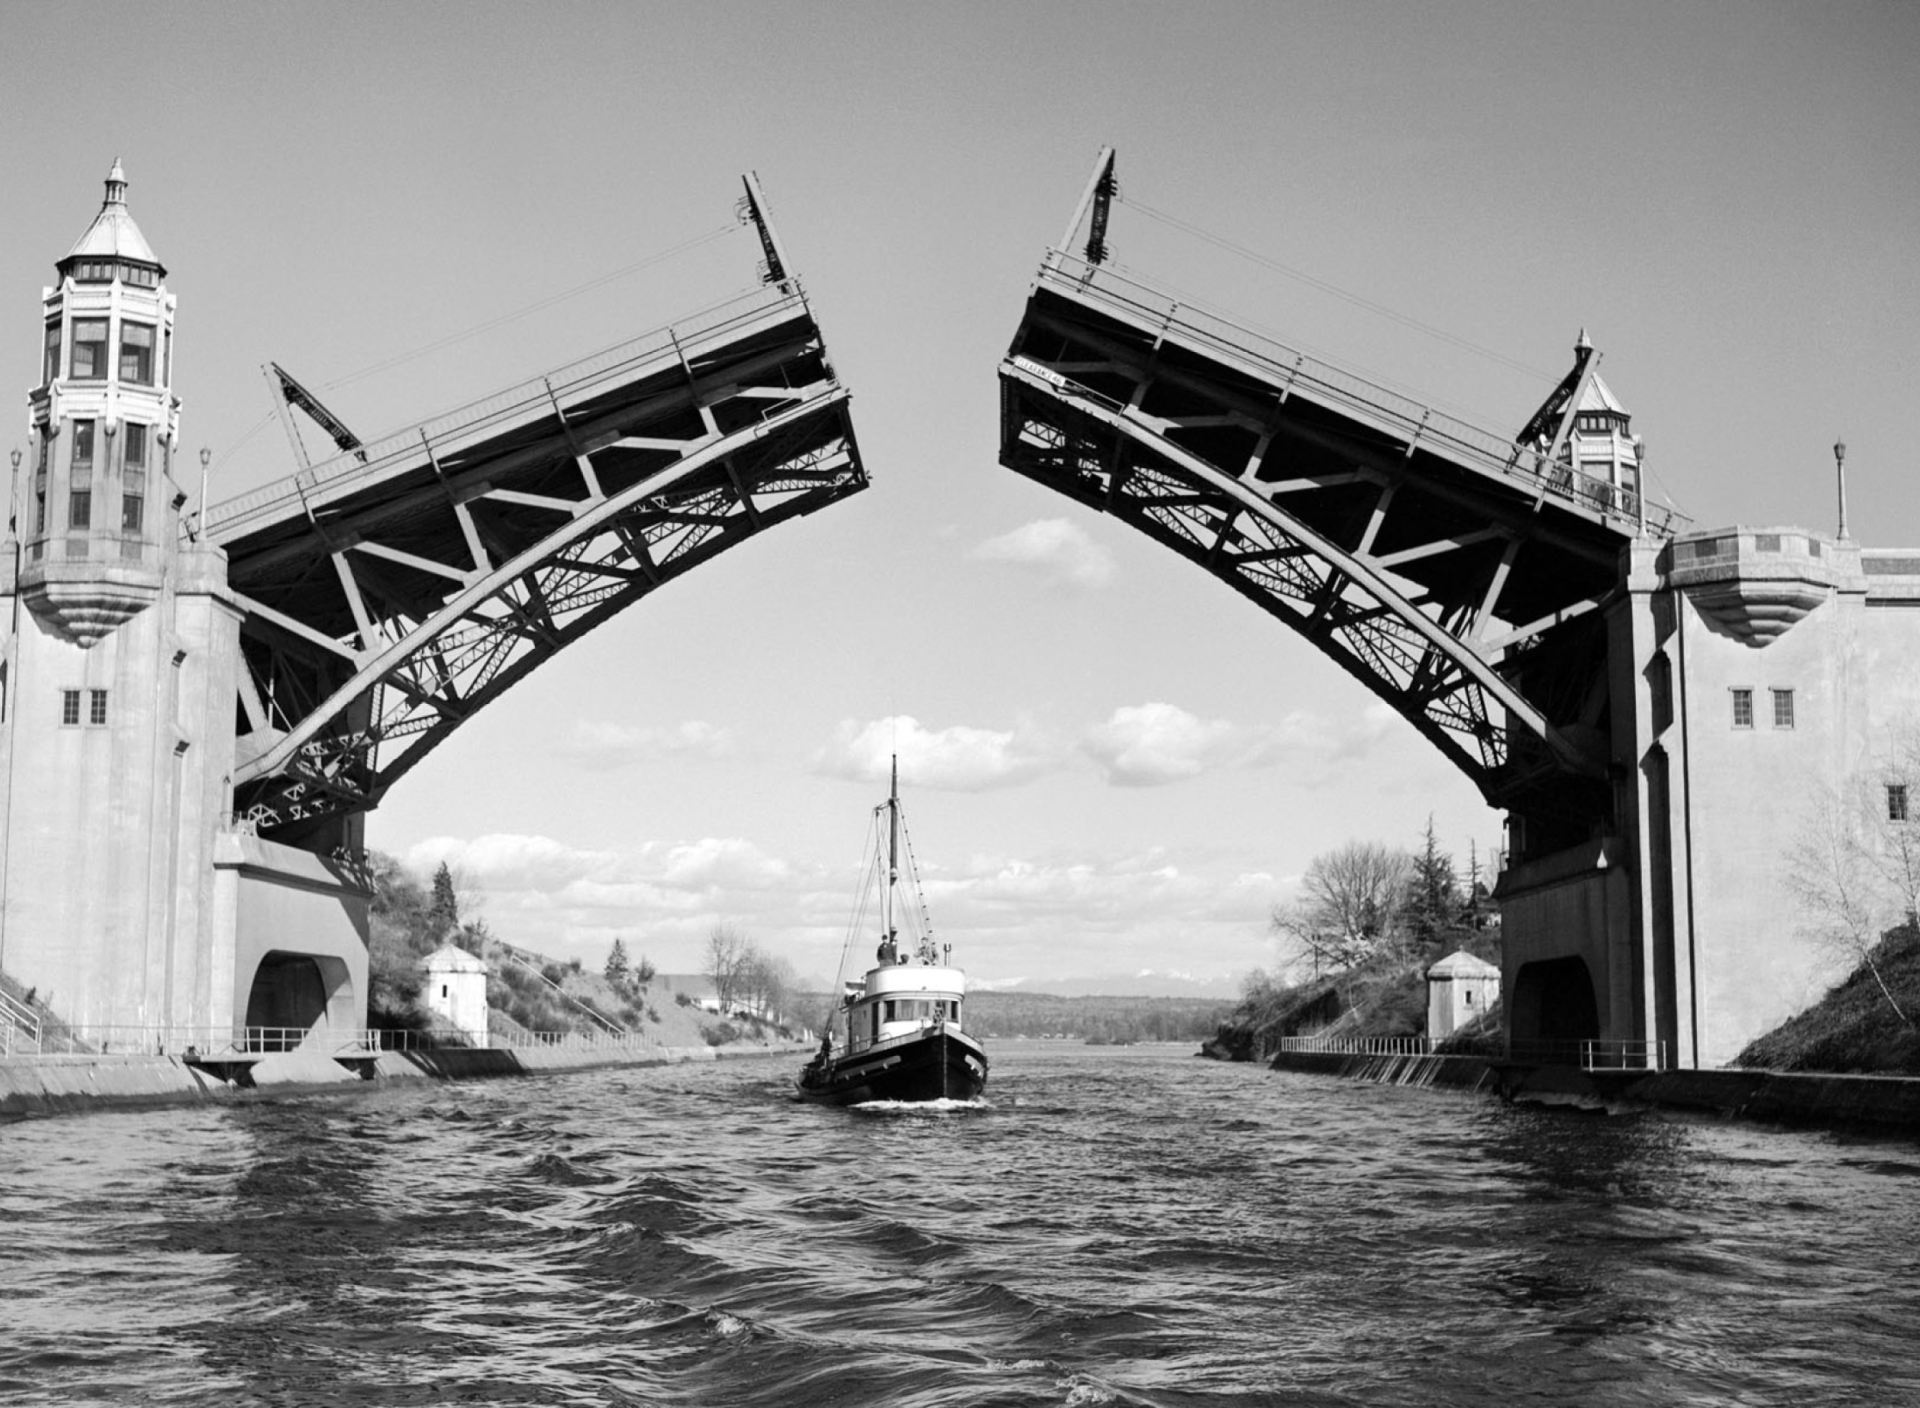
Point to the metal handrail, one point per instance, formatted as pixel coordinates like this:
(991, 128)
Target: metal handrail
(217, 1044)
(20, 1027)
(1585, 1054)
(1406, 418)
(449, 432)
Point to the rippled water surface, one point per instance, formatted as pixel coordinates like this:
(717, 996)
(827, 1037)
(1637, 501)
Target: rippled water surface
(1113, 1225)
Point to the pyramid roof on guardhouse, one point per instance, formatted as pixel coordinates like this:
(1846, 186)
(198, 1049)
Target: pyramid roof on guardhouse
(451, 958)
(1461, 964)
(113, 235)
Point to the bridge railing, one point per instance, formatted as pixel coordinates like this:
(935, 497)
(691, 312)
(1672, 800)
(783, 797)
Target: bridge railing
(201, 1043)
(449, 433)
(1585, 1055)
(1273, 361)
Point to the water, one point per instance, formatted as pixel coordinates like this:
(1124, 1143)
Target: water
(1114, 1225)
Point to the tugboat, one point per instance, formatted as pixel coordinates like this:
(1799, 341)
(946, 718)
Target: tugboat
(896, 1034)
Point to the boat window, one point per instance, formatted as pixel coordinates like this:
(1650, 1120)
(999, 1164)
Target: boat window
(890, 1007)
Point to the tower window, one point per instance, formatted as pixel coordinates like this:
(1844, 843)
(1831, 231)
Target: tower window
(53, 353)
(89, 349)
(80, 509)
(97, 706)
(69, 708)
(133, 508)
(136, 445)
(1783, 708)
(1896, 801)
(136, 353)
(83, 444)
(1743, 708)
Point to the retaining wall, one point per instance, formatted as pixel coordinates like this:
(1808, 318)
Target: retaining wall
(1886, 1102)
(50, 1085)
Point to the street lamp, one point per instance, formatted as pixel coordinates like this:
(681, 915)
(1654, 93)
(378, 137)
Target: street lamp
(1840, 474)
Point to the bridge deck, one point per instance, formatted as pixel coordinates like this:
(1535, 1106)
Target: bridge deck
(1434, 559)
(394, 589)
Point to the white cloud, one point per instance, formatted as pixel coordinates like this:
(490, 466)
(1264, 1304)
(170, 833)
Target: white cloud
(618, 745)
(1153, 744)
(1059, 550)
(956, 759)
(1150, 745)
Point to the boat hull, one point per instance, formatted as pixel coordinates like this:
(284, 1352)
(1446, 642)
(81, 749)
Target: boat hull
(938, 1064)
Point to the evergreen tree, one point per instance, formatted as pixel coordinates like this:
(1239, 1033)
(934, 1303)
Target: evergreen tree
(1431, 902)
(617, 963)
(445, 909)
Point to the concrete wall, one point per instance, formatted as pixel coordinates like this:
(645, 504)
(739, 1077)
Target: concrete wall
(1574, 906)
(274, 902)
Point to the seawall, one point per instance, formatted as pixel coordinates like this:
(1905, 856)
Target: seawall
(50, 1085)
(1880, 1102)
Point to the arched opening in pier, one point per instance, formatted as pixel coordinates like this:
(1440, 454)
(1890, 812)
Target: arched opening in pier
(288, 999)
(1554, 1001)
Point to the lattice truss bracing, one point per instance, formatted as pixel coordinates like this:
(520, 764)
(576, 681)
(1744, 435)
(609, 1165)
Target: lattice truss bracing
(392, 592)
(1458, 580)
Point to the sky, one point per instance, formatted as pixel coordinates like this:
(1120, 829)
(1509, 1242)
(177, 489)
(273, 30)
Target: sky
(1111, 762)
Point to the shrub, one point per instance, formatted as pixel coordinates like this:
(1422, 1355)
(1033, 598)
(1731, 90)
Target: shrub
(682, 1000)
(720, 1033)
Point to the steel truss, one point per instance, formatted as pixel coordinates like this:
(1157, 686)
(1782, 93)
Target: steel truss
(1422, 556)
(391, 593)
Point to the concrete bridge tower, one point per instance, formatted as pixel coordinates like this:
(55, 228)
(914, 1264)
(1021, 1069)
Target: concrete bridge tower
(129, 905)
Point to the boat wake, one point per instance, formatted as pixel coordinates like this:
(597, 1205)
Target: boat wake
(921, 1107)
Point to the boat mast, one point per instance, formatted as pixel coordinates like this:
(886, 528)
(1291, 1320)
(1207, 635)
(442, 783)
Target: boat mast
(893, 839)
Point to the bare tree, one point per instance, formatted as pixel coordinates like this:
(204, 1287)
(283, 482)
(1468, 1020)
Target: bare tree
(1850, 872)
(1303, 940)
(727, 950)
(1354, 895)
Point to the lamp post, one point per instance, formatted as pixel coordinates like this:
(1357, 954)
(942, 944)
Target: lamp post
(200, 509)
(1840, 474)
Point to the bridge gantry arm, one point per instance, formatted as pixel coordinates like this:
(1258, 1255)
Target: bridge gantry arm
(397, 597)
(1422, 556)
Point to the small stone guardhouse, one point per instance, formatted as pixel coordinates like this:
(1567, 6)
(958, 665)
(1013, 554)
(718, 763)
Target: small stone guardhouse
(456, 991)
(1460, 989)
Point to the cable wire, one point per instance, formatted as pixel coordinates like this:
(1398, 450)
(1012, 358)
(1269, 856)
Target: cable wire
(1379, 309)
(503, 319)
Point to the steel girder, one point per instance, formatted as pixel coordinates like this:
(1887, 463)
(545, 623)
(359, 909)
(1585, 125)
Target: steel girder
(1419, 555)
(391, 593)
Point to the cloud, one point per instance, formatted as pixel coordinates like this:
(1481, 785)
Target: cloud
(1150, 745)
(956, 759)
(620, 745)
(1059, 550)
(1154, 744)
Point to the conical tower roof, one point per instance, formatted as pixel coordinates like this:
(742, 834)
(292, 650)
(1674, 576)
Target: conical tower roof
(113, 235)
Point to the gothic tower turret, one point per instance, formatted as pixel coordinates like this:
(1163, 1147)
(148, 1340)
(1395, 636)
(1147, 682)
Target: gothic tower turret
(96, 527)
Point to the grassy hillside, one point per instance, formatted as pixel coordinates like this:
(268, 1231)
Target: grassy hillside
(1384, 998)
(526, 991)
(1855, 1027)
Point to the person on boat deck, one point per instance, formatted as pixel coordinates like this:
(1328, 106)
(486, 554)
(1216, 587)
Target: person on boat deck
(889, 950)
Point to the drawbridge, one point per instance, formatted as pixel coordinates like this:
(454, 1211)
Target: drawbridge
(392, 591)
(1458, 572)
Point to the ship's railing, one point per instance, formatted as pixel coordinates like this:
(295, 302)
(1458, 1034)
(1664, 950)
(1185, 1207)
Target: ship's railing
(204, 1043)
(1419, 425)
(455, 430)
(1587, 1055)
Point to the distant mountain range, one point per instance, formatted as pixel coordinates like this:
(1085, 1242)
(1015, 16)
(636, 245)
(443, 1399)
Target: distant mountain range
(1145, 983)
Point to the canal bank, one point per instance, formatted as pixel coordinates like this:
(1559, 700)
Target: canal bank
(1841, 1101)
(75, 1084)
